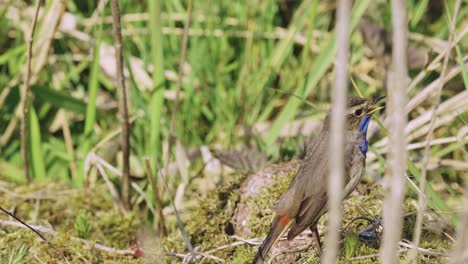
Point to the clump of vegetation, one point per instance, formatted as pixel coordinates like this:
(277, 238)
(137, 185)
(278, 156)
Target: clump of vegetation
(83, 224)
(17, 255)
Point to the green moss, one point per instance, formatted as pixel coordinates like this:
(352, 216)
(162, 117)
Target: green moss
(243, 254)
(59, 211)
(261, 205)
(209, 223)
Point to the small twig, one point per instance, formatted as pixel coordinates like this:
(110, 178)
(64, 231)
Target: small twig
(420, 250)
(160, 222)
(125, 190)
(252, 241)
(92, 244)
(175, 108)
(114, 133)
(32, 228)
(422, 182)
(355, 219)
(110, 250)
(25, 97)
(51, 196)
(110, 186)
(304, 248)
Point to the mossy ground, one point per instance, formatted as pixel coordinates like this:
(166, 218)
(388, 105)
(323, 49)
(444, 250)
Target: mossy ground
(209, 225)
(59, 211)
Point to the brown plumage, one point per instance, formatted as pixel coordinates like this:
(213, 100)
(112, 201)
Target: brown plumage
(301, 206)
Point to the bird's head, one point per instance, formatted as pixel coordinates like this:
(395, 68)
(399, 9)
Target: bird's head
(359, 113)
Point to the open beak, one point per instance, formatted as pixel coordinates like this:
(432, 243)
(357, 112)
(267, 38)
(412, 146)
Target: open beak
(373, 108)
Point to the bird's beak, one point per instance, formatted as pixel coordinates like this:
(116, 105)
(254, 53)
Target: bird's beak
(378, 99)
(373, 108)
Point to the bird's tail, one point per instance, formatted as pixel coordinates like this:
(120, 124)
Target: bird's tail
(278, 226)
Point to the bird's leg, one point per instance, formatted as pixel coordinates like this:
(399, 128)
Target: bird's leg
(316, 239)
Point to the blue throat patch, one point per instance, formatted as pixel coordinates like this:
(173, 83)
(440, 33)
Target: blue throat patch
(363, 129)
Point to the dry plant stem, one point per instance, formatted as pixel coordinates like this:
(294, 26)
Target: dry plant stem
(336, 149)
(178, 85)
(125, 191)
(394, 179)
(110, 186)
(425, 162)
(159, 219)
(68, 143)
(23, 224)
(25, 97)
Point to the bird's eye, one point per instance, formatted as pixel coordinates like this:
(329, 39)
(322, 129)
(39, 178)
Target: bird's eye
(358, 112)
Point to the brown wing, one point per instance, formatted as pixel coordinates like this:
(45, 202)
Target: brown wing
(310, 212)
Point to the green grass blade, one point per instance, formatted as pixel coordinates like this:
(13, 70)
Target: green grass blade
(91, 108)
(319, 68)
(419, 12)
(90, 116)
(36, 156)
(13, 53)
(60, 99)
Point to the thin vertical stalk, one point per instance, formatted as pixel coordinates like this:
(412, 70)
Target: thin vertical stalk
(337, 126)
(425, 162)
(159, 217)
(394, 179)
(175, 108)
(157, 98)
(25, 97)
(125, 191)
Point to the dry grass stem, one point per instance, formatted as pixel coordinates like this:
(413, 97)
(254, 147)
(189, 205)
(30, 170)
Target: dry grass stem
(425, 162)
(336, 165)
(123, 108)
(394, 186)
(67, 136)
(175, 108)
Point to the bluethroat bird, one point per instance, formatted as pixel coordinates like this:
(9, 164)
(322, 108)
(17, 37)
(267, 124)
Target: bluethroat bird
(305, 201)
